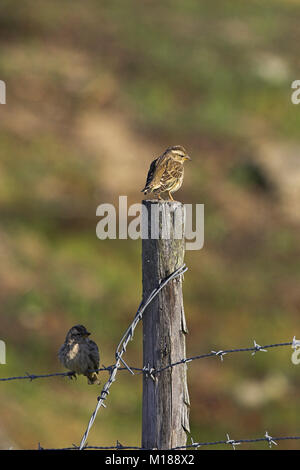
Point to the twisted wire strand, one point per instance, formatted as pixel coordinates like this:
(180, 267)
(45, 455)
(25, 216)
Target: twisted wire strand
(194, 445)
(110, 368)
(121, 348)
(233, 442)
(220, 353)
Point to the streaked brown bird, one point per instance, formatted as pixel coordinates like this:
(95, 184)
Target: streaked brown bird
(79, 354)
(166, 172)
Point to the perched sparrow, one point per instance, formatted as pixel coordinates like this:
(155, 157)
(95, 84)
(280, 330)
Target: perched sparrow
(80, 354)
(166, 172)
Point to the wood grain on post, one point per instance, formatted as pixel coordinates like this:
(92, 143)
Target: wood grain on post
(165, 399)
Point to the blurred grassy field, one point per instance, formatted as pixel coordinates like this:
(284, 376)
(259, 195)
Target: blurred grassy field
(94, 91)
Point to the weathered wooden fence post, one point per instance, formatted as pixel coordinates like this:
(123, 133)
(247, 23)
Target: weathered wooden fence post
(165, 399)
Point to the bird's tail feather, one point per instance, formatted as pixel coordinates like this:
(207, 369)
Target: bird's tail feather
(146, 190)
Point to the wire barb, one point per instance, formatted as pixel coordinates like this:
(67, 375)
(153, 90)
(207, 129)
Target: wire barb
(295, 343)
(148, 371)
(195, 444)
(220, 354)
(257, 347)
(270, 440)
(232, 442)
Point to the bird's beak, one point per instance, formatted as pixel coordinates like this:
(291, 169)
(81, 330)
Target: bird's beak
(187, 157)
(87, 334)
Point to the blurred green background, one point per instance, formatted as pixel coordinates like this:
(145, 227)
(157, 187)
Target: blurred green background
(95, 90)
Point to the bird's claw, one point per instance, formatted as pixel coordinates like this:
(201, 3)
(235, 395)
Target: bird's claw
(72, 375)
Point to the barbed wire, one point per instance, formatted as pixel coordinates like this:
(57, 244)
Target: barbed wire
(234, 442)
(121, 348)
(194, 445)
(71, 374)
(221, 353)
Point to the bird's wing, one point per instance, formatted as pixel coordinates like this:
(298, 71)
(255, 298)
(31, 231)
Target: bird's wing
(156, 172)
(61, 354)
(150, 174)
(94, 355)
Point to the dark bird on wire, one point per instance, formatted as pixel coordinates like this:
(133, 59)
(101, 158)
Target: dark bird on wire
(166, 172)
(80, 355)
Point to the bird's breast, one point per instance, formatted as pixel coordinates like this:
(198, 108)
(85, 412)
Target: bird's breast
(73, 351)
(76, 357)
